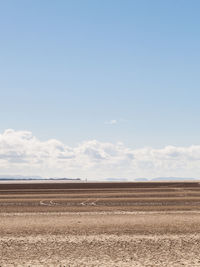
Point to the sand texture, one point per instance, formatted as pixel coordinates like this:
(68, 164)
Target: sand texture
(102, 224)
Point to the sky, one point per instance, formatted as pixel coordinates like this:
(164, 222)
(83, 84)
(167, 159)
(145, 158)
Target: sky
(114, 82)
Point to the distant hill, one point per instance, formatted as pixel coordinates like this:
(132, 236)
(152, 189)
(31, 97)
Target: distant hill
(112, 179)
(32, 178)
(163, 179)
(158, 179)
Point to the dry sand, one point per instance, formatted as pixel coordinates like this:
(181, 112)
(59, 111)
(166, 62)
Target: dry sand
(120, 225)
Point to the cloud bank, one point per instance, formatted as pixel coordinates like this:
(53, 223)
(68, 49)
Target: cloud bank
(22, 153)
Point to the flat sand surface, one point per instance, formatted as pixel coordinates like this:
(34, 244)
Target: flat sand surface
(100, 224)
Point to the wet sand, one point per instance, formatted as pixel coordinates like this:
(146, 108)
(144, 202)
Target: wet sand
(155, 224)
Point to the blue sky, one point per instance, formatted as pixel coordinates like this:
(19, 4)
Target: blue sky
(68, 68)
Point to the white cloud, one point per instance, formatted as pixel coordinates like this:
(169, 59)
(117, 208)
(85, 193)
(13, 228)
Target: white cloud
(111, 122)
(22, 153)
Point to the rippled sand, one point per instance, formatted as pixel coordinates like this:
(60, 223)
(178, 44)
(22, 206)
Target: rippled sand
(149, 226)
(100, 240)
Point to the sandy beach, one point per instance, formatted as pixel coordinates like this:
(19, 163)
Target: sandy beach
(100, 225)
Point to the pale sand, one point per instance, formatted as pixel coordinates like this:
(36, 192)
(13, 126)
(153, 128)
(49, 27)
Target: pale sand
(100, 224)
(92, 239)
